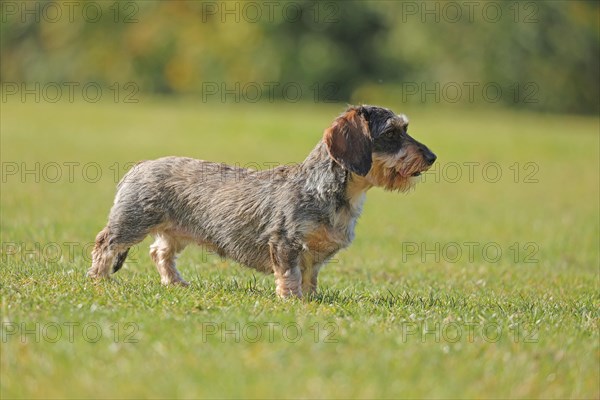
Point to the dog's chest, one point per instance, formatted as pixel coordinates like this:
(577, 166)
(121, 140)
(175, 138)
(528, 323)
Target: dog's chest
(324, 240)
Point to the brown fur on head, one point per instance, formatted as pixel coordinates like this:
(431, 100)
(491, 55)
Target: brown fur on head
(349, 142)
(373, 143)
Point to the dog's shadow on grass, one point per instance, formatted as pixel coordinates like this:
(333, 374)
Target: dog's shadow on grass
(259, 287)
(354, 297)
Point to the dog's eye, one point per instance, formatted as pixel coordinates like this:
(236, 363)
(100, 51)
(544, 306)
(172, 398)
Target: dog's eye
(389, 134)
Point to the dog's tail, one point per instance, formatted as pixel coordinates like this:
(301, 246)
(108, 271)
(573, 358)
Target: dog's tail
(119, 260)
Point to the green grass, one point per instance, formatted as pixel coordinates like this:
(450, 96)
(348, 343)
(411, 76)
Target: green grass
(396, 316)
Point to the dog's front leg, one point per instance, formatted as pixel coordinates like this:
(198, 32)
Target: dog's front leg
(288, 282)
(286, 267)
(310, 271)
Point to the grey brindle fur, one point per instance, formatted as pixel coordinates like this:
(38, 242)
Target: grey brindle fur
(288, 220)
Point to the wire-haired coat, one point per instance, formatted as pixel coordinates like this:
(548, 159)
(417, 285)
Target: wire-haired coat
(288, 220)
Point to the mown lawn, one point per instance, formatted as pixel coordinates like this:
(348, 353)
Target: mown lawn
(483, 282)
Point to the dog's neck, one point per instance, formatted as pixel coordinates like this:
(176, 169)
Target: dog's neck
(333, 182)
(356, 187)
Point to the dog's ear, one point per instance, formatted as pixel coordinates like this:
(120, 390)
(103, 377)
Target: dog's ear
(349, 142)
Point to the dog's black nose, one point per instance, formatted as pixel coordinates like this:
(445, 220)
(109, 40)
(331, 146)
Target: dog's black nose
(430, 157)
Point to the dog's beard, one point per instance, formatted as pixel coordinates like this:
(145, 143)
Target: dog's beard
(397, 172)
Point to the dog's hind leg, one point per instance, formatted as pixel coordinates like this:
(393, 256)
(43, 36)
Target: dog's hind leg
(107, 256)
(119, 260)
(164, 252)
(111, 248)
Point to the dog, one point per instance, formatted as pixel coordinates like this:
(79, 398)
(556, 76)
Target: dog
(289, 220)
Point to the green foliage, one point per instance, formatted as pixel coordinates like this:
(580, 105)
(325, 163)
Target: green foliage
(544, 55)
(384, 324)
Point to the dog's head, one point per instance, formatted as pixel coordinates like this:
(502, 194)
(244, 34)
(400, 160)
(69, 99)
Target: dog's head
(373, 142)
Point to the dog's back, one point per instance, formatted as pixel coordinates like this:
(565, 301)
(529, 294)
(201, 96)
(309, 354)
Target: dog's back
(223, 207)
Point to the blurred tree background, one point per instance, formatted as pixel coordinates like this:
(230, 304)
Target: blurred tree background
(542, 55)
